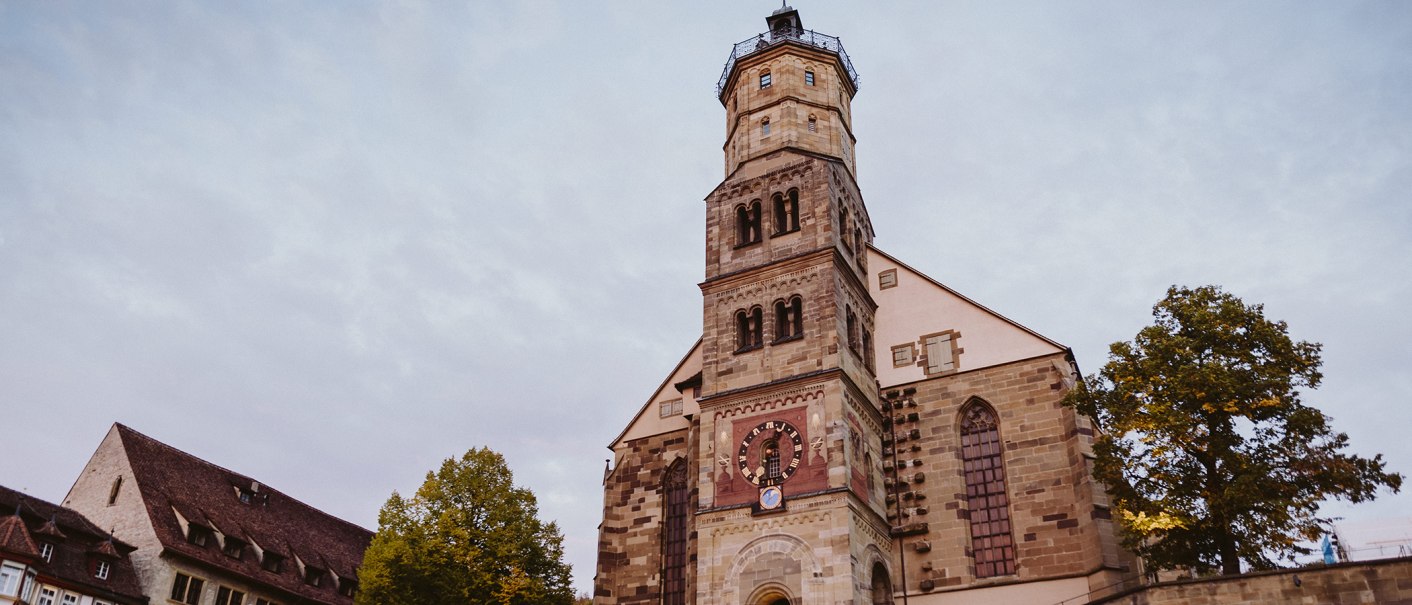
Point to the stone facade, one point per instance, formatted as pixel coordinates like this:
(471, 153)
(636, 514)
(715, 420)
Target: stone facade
(1385, 582)
(824, 469)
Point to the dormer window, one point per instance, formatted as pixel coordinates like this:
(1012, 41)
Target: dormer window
(246, 496)
(271, 562)
(233, 547)
(313, 576)
(198, 534)
(347, 587)
(46, 552)
(101, 570)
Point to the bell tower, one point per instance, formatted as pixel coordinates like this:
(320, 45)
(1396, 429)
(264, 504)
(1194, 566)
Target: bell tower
(790, 502)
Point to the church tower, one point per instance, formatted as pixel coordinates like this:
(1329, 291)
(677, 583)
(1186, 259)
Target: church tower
(790, 504)
(786, 460)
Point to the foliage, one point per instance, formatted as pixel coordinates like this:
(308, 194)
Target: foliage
(1210, 455)
(468, 536)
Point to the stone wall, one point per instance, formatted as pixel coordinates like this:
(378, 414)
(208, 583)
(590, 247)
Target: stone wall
(630, 538)
(1060, 526)
(1384, 582)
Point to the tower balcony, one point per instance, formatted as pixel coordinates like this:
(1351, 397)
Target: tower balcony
(771, 39)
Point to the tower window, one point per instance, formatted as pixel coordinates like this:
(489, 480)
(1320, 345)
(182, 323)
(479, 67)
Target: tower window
(843, 228)
(748, 329)
(809, 78)
(992, 546)
(765, 127)
(747, 223)
(765, 80)
(786, 212)
(813, 124)
(674, 538)
(852, 330)
(868, 350)
(770, 458)
(789, 319)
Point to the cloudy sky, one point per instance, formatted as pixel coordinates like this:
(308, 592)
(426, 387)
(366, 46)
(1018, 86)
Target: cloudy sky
(330, 244)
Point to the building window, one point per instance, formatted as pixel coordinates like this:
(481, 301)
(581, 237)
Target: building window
(271, 562)
(765, 80)
(10, 575)
(808, 78)
(46, 552)
(786, 212)
(264, 601)
(113, 491)
(313, 576)
(765, 127)
(903, 355)
(852, 327)
(69, 599)
(770, 456)
(101, 570)
(670, 408)
(789, 319)
(941, 352)
(843, 228)
(233, 547)
(229, 596)
(868, 349)
(887, 279)
(186, 589)
(197, 534)
(749, 334)
(987, 505)
(868, 471)
(674, 534)
(747, 223)
(813, 124)
(347, 587)
(46, 596)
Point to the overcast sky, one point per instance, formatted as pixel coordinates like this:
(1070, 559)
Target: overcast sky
(330, 244)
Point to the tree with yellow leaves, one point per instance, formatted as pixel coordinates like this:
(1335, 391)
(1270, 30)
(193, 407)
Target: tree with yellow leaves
(1210, 455)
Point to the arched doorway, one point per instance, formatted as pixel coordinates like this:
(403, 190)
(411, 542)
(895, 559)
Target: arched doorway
(771, 595)
(882, 585)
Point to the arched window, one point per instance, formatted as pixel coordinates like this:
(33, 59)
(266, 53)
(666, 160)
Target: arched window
(987, 504)
(674, 534)
(747, 223)
(789, 319)
(868, 350)
(843, 228)
(748, 328)
(786, 211)
(872, 479)
(882, 585)
(770, 459)
(852, 329)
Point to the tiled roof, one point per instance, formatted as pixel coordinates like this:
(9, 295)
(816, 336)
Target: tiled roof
(173, 482)
(74, 539)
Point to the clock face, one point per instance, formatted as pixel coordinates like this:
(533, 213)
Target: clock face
(775, 448)
(771, 498)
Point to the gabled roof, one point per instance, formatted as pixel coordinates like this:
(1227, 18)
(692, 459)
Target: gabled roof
(75, 541)
(684, 371)
(174, 482)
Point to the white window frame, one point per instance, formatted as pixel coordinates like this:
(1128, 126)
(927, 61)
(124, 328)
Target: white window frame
(47, 596)
(102, 569)
(10, 577)
(46, 552)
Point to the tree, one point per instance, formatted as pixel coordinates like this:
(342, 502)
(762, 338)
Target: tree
(1210, 455)
(468, 536)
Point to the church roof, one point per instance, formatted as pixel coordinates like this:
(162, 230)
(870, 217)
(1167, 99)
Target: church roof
(173, 482)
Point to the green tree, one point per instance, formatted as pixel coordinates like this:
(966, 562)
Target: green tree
(1204, 444)
(468, 536)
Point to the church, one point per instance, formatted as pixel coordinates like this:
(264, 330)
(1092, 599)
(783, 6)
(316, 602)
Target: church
(847, 430)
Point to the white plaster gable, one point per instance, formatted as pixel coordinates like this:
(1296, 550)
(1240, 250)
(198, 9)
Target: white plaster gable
(649, 421)
(919, 305)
